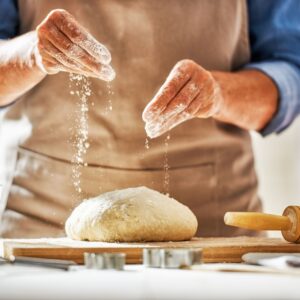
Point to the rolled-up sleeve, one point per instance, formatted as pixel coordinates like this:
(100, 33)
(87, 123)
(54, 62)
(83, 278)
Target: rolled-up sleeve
(9, 19)
(275, 47)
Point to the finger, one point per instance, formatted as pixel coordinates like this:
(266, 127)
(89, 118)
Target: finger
(66, 46)
(46, 62)
(54, 66)
(175, 112)
(176, 80)
(72, 65)
(79, 35)
(181, 101)
(205, 105)
(154, 130)
(162, 125)
(50, 65)
(200, 108)
(159, 126)
(50, 50)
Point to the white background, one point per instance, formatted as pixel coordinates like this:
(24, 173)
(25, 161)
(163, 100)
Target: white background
(278, 168)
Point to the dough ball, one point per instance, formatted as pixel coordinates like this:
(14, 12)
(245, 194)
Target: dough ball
(131, 215)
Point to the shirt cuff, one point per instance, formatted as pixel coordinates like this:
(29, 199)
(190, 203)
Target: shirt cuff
(286, 76)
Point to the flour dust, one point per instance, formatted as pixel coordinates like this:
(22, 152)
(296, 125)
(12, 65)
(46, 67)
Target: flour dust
(147, 144)
(109, 105)
(166, 166)
(80, 87)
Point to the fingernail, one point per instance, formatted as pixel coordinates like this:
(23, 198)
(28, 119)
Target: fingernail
(152, 129)
(107, 73)
(150, 113)
(147, 115)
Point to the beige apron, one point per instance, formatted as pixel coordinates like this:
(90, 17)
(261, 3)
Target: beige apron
(210, 163)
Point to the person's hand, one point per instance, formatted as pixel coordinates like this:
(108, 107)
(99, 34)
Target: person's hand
(64, 45)
(189, 92)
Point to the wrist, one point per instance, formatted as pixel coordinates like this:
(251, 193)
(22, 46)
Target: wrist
(38, 63)
(35, 56)
(250, 98)
(220, 97)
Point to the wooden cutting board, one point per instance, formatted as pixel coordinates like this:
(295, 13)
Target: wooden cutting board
(214, 249)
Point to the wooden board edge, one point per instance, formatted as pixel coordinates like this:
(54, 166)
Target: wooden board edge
(134, 255)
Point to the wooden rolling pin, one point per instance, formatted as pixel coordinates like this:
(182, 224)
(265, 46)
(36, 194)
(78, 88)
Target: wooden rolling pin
(288, 223)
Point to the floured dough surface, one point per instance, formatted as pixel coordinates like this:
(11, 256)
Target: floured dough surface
(131, 215)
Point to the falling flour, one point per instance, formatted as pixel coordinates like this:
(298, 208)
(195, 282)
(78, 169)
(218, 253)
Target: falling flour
(110, 92)
(147, 144)
(166, 166)
(80, 141)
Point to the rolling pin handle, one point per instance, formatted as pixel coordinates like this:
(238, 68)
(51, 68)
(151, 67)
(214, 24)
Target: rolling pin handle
(292, 234)
(257, 221)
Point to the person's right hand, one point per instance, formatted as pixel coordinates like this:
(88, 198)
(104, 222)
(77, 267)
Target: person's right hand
(64, 45)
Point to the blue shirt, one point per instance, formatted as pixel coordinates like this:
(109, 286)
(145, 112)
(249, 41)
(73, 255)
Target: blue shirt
(9, 19)
(274, 29)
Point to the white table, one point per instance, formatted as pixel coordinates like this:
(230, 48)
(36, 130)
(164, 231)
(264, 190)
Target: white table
(20, 282)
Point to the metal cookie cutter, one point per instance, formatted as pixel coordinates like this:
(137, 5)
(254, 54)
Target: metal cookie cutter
(171, 257)
(152, 257)
(104, 261)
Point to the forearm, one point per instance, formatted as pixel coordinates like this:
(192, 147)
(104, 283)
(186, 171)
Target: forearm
(250, 98)
(18, 69)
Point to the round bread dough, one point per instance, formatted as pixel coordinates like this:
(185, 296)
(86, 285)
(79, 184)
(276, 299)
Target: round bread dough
(131, 215)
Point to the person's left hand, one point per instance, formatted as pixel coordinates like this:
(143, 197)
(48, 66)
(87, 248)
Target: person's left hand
(189, 92)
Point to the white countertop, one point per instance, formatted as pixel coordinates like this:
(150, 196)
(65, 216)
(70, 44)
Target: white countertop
(137, 282)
